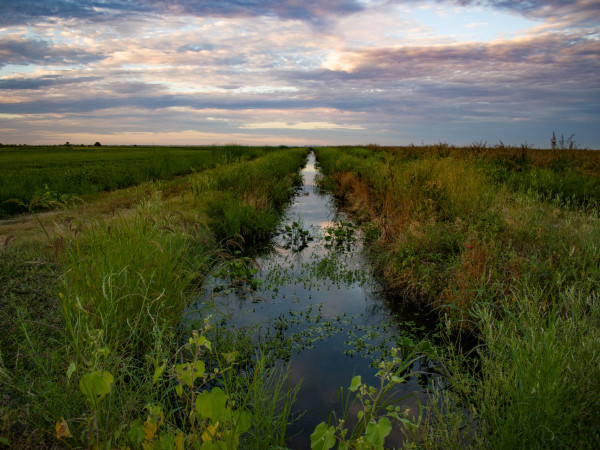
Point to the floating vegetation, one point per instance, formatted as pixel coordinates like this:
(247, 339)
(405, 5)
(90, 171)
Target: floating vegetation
(296, 237)
(313, 294)
(341, 235)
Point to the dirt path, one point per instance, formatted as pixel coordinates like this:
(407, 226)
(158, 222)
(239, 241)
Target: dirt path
(44, 226)
(36, 228)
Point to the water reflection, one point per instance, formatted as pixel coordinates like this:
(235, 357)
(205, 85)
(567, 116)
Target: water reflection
(323, 292)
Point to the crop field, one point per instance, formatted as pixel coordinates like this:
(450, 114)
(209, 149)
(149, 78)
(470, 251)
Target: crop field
(499, 247)
(30, 175)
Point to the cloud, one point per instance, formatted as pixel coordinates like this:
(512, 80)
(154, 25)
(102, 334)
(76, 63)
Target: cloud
(241, 67)
(36, 83)
(22, 51)
(582, 12)
(510, 60)
(535, 77)
(31, 11)
(78, 102)
(198, 47)
(302, 126)
(317, 12)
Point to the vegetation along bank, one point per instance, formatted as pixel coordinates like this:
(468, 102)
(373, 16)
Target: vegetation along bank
(501, 243)
(95, 351)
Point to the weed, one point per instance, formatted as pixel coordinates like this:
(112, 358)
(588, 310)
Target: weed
(377, 410)
(501, 241)
(110, 316)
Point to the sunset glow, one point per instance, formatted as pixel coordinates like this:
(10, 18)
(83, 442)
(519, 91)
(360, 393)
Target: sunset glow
(299, 73)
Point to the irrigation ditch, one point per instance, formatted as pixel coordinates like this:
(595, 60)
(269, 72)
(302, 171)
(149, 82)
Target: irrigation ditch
(157, 317)
(312, 296)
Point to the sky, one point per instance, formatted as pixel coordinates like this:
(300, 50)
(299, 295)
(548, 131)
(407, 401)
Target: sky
(299, 72)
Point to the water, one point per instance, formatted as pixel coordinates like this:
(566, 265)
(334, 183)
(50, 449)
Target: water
(318, 292)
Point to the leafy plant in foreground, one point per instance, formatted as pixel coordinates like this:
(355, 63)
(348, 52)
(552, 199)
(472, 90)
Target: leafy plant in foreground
(206, 419)
(378, 406)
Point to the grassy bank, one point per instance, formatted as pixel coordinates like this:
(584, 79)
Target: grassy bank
(501, 243)
(98, 353)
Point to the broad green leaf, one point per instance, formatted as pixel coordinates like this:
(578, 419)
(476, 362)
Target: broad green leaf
(189, 372)
(199, 341)
(355, 383)
(136, 432)
(96, 385)
(242, 420)
(4, 441)
(70, 370)
(158, 372)
(166, 442)
(376, 432)
(179, 390)
(184, 373)
(323, 438)
(211, 405)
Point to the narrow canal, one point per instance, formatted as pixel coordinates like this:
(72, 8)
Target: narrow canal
(315, 291)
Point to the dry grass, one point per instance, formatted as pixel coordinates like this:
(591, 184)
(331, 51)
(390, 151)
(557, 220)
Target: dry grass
(38, 228)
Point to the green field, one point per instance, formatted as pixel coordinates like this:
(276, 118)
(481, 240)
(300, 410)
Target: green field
(499, 245)
(100, 304)
(29, 175)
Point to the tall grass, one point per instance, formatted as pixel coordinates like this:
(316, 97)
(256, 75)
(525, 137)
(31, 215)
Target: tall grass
(540, 365)
(508, 254)
(531, 383)
(429, 211)
(117, 309)
(247, 199)
(124, 276)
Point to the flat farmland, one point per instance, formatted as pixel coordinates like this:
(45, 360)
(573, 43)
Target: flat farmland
(124, 304)
(31, 175)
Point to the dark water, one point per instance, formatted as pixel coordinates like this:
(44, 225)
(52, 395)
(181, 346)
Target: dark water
(321, 293)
